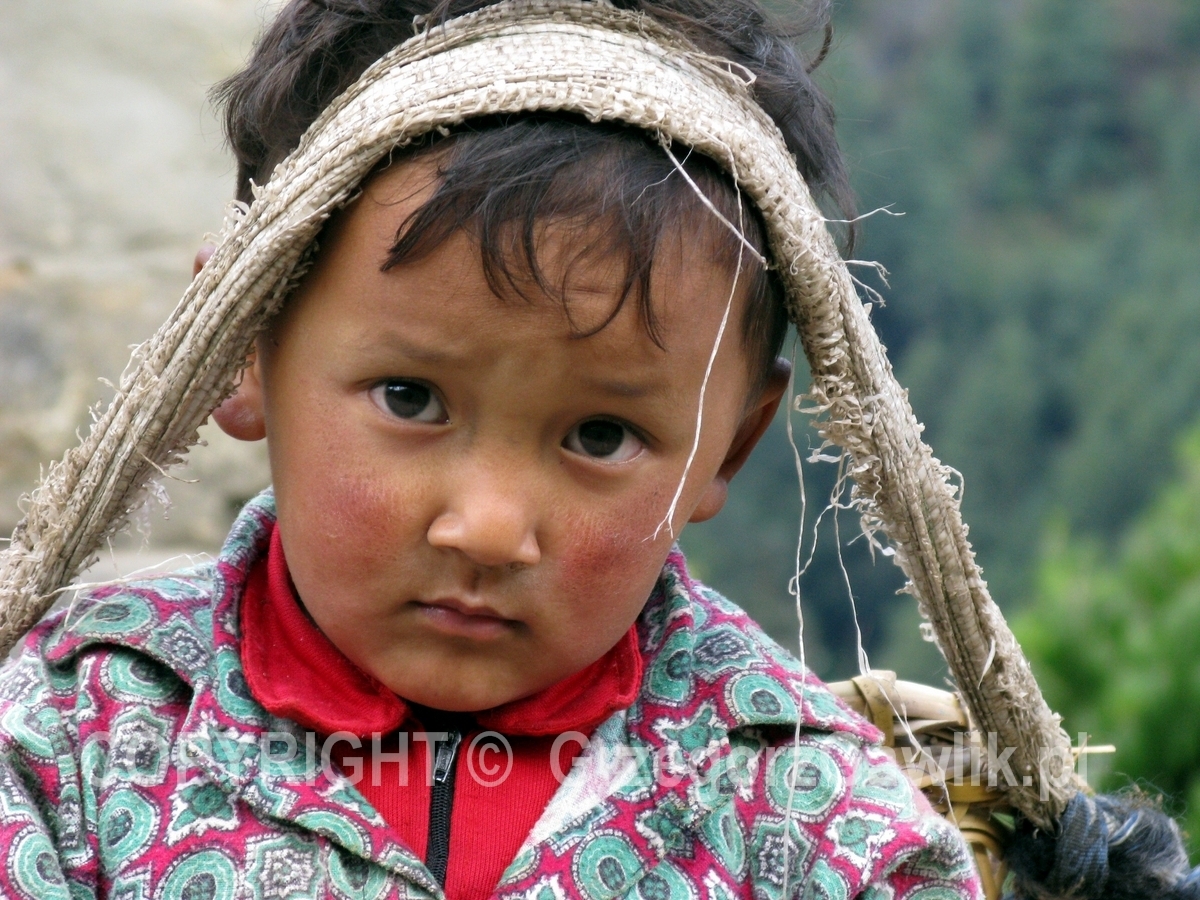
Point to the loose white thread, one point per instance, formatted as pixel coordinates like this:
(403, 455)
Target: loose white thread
(668, 520)
(794, 585)
(920, 753)
(166, 565)
(737, 229)
(839, 487)
(794, 590)
(661, 181)
(886, 210)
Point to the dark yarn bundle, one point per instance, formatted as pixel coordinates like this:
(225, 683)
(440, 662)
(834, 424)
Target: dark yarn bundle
(1110, 847)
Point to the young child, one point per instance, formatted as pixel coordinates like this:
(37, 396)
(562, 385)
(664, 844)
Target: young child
(455, 649)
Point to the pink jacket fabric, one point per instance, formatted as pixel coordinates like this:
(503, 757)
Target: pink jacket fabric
(134, 763)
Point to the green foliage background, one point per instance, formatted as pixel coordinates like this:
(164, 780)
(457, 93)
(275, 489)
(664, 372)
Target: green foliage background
(1116, 633)
(1044, 312)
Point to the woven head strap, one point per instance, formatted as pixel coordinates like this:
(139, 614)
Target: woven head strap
(591, 59)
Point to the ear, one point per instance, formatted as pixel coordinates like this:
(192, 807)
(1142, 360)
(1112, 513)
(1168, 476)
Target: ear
(203, 255)
(242, 414)
(753, 427)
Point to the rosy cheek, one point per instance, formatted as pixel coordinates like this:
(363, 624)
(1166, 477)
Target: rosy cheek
(355, 516)
(612, 553)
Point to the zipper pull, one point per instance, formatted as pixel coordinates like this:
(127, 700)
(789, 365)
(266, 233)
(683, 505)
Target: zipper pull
(443, 762)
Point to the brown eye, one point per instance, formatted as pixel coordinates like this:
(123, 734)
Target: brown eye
(603, 439)
(412, 400)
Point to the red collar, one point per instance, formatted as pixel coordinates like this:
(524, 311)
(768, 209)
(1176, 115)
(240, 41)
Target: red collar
(295, 672)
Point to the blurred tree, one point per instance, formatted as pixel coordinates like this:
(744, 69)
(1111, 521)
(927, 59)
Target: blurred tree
(1044, 308)
(1114, 639)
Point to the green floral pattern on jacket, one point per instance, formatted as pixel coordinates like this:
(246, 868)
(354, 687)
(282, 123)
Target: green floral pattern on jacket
(135, 764)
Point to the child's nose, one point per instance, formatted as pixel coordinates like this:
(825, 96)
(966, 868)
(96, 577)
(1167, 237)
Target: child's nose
(491, 524)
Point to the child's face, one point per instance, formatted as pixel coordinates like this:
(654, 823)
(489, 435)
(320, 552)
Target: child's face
(470, 494)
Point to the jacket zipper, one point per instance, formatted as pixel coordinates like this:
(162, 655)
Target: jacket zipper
(441, 802)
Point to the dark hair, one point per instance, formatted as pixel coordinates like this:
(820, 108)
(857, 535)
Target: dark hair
(504, 175)
(613, 188)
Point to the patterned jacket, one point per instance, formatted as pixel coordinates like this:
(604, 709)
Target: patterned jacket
(135, 764)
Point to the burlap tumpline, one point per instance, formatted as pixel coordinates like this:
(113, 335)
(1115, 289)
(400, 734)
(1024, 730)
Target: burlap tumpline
(591, 59)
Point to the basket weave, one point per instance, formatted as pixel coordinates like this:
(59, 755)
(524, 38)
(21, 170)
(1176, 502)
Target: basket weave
(591, 59)
(930, 736)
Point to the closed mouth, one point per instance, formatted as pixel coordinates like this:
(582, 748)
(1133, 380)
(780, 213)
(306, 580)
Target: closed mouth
(460, 619)
(474, 610)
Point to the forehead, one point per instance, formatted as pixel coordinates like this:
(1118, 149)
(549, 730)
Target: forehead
(583, 282)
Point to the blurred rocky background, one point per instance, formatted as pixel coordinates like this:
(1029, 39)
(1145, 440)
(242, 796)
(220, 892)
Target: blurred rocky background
(111, 172)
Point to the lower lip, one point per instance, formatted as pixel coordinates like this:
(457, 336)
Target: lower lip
(479, 627)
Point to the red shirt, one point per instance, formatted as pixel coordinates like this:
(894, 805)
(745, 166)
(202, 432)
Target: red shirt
(295, 672)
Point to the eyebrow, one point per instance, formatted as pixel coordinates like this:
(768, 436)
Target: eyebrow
(394, 342)
(628, 389)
